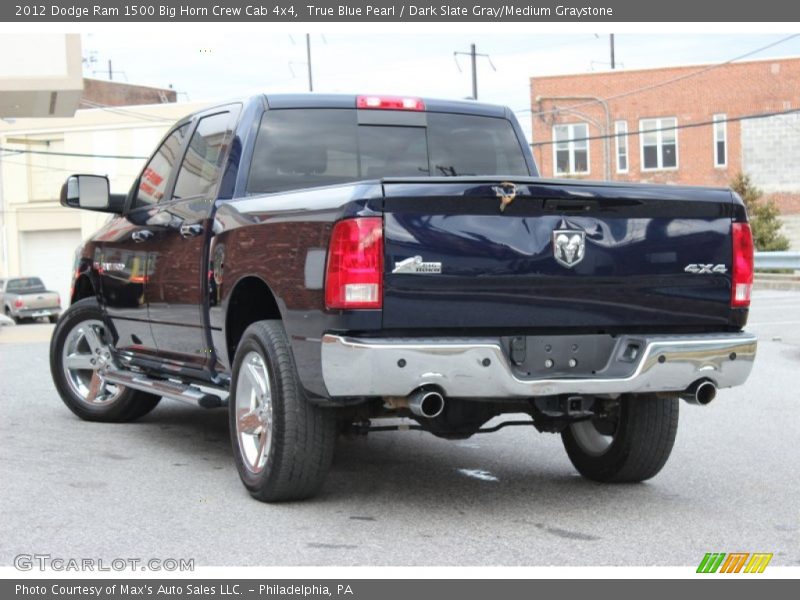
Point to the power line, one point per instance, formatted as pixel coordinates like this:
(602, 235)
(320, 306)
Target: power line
(35, 209)
(38, 211)
(686, 126)
(127, 112)
(536, 144)
(74, 154)
(46, 167)
(659, 84)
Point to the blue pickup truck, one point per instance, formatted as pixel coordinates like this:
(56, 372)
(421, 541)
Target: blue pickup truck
(325, 264)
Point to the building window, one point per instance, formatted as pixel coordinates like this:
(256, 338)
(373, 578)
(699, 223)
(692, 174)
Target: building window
(621, 133)
(720, 141)
(659, 143)
(571, 149)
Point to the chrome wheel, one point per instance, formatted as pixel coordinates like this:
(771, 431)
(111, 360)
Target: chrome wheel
(83, 355)
(592, 440)
(253, 412)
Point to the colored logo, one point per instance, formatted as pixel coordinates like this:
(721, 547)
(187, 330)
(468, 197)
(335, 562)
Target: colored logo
(736, 562)
(506, 191)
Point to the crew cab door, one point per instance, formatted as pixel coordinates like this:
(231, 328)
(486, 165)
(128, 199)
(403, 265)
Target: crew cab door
(178, 260)
(123, 266)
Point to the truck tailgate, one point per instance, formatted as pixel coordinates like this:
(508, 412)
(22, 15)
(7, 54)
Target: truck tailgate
(559, 256)
(37, 300)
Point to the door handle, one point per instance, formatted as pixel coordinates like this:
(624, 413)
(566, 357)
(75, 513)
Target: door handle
(190, 231)
(142, 235)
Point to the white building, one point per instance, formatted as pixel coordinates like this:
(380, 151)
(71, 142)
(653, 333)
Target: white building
(39, 236)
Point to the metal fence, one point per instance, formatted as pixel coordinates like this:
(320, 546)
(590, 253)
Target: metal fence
(777, 260)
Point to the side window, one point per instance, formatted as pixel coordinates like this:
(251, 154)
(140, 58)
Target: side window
(201, 166)
(156, 174)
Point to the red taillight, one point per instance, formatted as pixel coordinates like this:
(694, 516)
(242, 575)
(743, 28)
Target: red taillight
(354, 274)
(18, 303)
(742, 280)
(390, 103)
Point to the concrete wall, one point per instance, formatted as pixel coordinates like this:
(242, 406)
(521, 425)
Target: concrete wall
(771, 152)
(40, 75)
(791, 229)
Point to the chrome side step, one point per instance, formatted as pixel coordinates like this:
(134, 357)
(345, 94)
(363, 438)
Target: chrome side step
(174, 390)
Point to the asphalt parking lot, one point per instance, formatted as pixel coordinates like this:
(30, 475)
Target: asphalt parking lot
(166, 485)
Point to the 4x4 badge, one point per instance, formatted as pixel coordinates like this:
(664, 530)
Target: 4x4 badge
(569, 246)
(506, 191)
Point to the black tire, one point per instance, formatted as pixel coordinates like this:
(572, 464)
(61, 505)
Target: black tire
(12, 317)
(124, 405)
(53, 318)
(299, 438)
(643, 436)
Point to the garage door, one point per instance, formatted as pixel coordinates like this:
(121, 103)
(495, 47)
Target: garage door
(50, 256)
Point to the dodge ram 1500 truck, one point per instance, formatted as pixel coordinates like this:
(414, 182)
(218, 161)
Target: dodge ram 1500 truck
(321, 262)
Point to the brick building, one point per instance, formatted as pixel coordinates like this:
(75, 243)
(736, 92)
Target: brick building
(640, 128)
(115, 93)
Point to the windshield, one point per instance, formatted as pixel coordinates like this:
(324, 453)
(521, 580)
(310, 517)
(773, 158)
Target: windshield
(25, 284)
(299, 148)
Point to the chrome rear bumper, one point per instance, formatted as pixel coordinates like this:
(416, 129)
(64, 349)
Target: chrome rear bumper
(27, 313)
(372, 367)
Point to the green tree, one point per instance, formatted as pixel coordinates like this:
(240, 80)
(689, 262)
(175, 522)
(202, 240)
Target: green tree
(763, 215)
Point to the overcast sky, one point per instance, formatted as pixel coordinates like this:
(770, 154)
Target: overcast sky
(242, 63)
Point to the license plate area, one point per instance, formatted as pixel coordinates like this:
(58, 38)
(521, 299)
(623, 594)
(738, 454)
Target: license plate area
(559, 355)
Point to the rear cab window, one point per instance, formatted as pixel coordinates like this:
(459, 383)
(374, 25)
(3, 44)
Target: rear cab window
(301, 148)
(25, 284)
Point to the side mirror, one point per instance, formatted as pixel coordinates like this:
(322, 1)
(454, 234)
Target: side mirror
(90, 192)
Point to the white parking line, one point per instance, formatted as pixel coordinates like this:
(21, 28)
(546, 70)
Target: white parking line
(478, 474)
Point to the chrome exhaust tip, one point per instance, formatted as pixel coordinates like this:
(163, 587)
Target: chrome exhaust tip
(700, 393)
(426, 403)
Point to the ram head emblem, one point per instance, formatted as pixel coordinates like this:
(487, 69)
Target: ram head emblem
(569, 246)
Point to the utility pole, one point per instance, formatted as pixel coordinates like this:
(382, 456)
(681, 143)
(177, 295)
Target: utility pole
(474, 59)
(308, 61)
(611, 41)
(4, 228)
(110, 72)
(473, 56)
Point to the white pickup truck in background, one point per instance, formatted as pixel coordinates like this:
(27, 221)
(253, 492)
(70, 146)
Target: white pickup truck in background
(25, 298)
